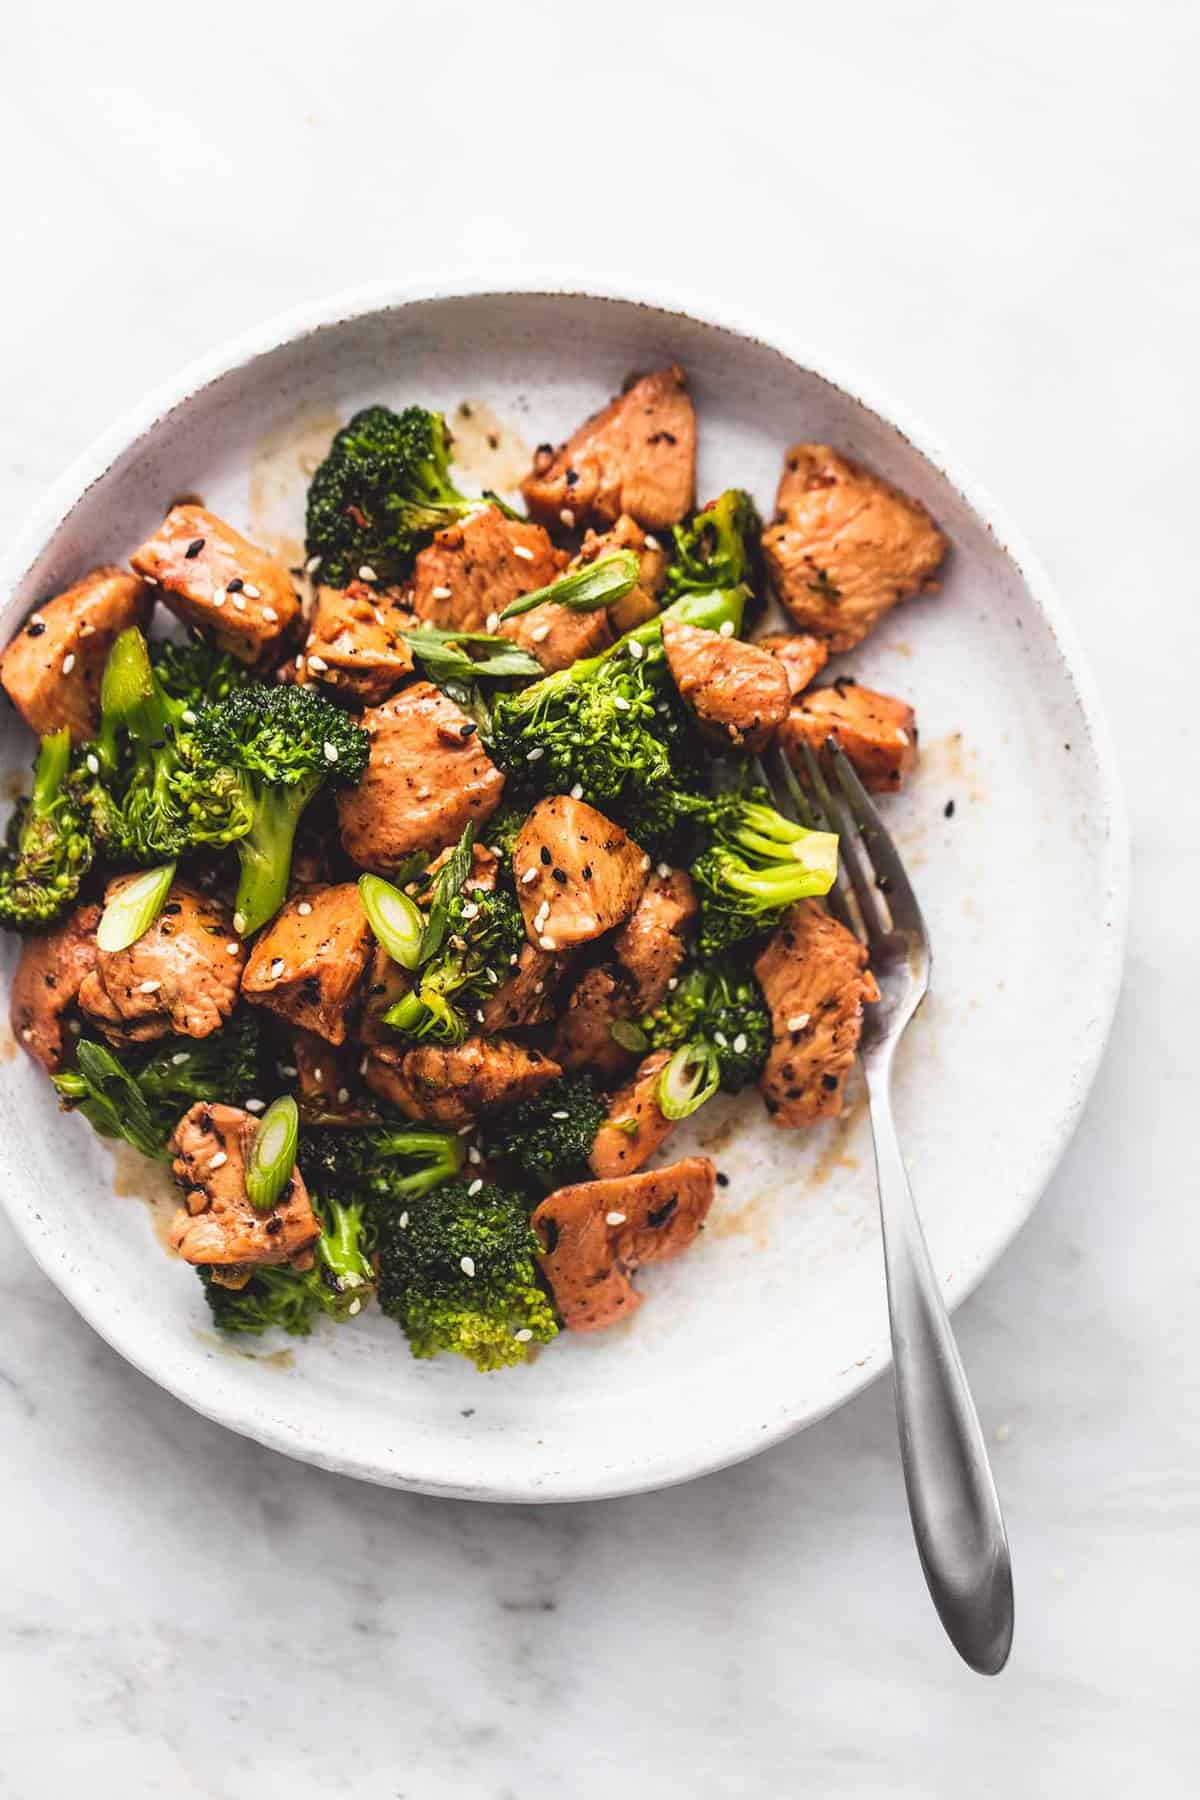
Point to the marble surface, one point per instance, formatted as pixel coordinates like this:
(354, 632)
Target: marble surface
(994, 208)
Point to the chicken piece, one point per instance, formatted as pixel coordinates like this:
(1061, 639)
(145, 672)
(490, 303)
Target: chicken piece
(354, 642)
(213, 577)
(738, 692)
(470, 572)
(48, 977)
(450, 1085)
(52, 669)
(636, 1125)
(651, 947)
(219, 1224)
(577, 873)
(526, 996)
(877, 733)
(596, 1233)
(558, 636)
(584, 1038)
(802, 656)
(308, 963)
(846, 545)
(636, 456)
(641, 602)
(428, 776)
(180, 976)
(325, 1082)
(814, 976)
(386, 982)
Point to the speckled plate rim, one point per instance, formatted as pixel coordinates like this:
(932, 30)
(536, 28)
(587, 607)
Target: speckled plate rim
(864, 390)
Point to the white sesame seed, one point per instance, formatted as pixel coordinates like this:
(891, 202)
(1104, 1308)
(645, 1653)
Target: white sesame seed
(673, 984)
(664, 870)
(727, 628)
(721, 1041)
(331, 754)
(93, 763)
(149, 987)
(476, 1187)
(539, 634)
(233, 948)
(614, 1218)
(492, 976)
(86, 630)
(479, 1015)
(150, 580)
(188, 716)
(312, 565)
(542, 914)
(239, 601)
(277, 968)
(492, 620)
(300, 663)
(560, 1114)
(636, 650)
(739, 1043)
(404, 1221)
(366, 572)
(470, 910)
(343, 1095)
(74, 1026)
(289, 1071)
(180, 1057)
(355, 1305)
(524, 1336)
(464, 1130)
(645, 864)
(68, 662)
(567, 517)
(798, 1021)
(441, 593)
(473, 1154)
(514, 960)
(527, 877)
(250, 591)
(318, 1076)
(548, 943)
(652, 543)
(218, 596)
(577, 791)
(621, 703)
(539, 987)
(535, 755)
(26, 1034)
(901, 734)
(239, 921)
(268, 612)
(304, 908)
(523, 551)
(255, 1106)
(218, 1161)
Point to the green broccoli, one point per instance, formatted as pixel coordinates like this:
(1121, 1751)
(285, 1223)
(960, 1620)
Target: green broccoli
(721, 1004)
(380, 1163)
(140, 1097)
(49, 846)
(718, 547)
(381, 492)
(458, 1273)
(280, 744)
(756, 865)
(278, 1298)
(549, 1138)
(196, 672)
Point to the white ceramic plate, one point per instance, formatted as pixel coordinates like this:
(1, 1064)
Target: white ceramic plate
(778, 1313)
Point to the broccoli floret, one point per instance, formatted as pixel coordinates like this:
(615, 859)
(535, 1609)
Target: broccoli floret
(381, 492)
(720, 1004)
(504, 826)
(281, 744)
(481, 933)
(380, 1163)
(140, 1097)
(756, 865)
(197, 673)
(718, 547)
(150, 791)
(549, 1138)
(457, 1272)
(276, 1298)
(49, 846)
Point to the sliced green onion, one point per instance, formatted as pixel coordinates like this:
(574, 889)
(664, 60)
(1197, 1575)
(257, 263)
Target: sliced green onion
(406, 1013)
(597, 584)
(692, 1076)
(273, 1153)
(393, 917)
(628, 1035)
(131, 913)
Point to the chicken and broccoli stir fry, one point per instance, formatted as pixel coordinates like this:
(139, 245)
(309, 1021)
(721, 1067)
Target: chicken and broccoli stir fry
(405, 908)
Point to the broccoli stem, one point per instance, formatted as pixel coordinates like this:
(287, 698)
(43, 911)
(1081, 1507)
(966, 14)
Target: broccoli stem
(49, 771)
(266, 852)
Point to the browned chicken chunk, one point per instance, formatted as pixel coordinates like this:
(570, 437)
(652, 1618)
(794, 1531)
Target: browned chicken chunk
(471, 572)
(651, 947)
(814, 976)
(577, 873)
(584, 1039)
(308, 963)
(180, 976)
(52, 669)
(877, 733)
(802, 656)
(641, 602)
(219, 1224)
(386, 982)
(556, 635)
(738, 691)
(636, 1125)
(595, 1234)
(354, 643)
(428, 776)
(324, 1081)
(48, 977)
(526, 995)
(449, 1086)
(213, 577)
(637, 456)
(845, 546)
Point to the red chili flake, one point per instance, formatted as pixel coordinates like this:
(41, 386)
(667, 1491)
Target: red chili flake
(353, 512)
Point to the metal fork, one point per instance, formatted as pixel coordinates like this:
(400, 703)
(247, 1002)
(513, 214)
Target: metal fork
(952, 1498)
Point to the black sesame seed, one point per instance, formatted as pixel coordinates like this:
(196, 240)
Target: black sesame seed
(586, 871)
(194, 548)
(235, 586)
(948, 810)
(36, 629)
(662, 1213)
(560, 875)
(722, 1179)
(572, 477)
(829, 1082)
(468, 729)
(546, 856)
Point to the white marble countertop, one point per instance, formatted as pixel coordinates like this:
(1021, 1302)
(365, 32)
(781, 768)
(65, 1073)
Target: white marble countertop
(995, 209)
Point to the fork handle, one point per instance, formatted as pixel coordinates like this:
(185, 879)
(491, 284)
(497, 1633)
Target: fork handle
(952, 1498)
